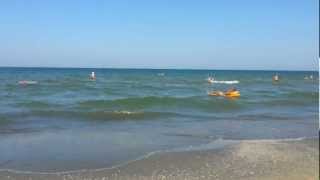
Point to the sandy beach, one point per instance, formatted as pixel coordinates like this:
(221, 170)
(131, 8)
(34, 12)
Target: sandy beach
(247, 160)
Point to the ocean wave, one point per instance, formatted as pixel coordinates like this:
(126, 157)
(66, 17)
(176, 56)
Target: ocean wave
(34, 104)
(288, 99)
(150, 102)
(291, 103)
(265, 116)
(4, 121)
(302, 94)
(95, 115)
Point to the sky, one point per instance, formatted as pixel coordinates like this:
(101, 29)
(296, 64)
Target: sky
(179, 34)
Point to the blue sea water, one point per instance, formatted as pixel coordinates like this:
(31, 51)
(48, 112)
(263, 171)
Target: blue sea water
(68, 122)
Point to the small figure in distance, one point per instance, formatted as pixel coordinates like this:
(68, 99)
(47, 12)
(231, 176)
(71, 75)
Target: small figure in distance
(216, 93)
(210, 80)
(276, 78)
(233, 89)
(231, 93)
(311, 77)
(93, 76)
(308, 77)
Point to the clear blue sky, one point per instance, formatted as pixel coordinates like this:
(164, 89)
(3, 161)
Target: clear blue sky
(201, 34)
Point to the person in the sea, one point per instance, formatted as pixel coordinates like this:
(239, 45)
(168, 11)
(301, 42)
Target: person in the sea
(231, 90)
(275, 77)
(219, 93)
(311, 77)
(308, 77)
(92, 76)
(210, 79)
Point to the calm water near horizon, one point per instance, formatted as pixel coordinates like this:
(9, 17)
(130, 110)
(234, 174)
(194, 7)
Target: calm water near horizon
(69, 122)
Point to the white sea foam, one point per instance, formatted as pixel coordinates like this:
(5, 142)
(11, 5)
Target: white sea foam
(27, 82)
(226, 82)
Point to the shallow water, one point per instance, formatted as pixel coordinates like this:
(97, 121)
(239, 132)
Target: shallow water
(68, 122)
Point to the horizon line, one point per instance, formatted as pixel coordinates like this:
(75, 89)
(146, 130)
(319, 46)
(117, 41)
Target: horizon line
(148, 68)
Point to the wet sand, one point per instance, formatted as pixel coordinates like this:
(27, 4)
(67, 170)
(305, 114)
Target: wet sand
(245, 160)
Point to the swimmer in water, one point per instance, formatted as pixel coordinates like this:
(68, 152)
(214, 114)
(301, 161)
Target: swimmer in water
(216, 93)
(311, 77)
(308, 77)
(210, 79)
(275, 77)
(233, 92)
(92, 76)
(233, 89)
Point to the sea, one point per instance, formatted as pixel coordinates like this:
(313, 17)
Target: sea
(64, 121)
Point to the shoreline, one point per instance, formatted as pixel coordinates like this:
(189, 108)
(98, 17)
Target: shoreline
(244, 159)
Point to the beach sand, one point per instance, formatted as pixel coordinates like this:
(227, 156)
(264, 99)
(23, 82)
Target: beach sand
(245, 160)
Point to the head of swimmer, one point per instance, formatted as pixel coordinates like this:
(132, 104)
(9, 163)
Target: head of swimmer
(232, 89)
(92, 76)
